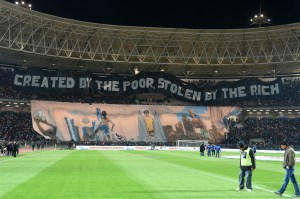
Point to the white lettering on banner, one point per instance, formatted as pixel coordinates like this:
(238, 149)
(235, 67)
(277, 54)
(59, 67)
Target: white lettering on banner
(178, 90)
(53, 79)
(85, 82)
(210, 95)
(241, 91)
(191, 95)
(224, 90)
(45, 83)
(70, 82)
(136, 84)
(264, 90)
(88, 80)
(274, 89)
(188, 93)
(17, 81)
(179, 93)
(196, 96)
(234, 92)
(149, 83)
(36, 81)
(168, 85)
(173, 88)
(125, 85)
(142, 83)
(108, 85)
(115, 86)
(62, 82)
(160, 83)
(26, 81)
(65, 82)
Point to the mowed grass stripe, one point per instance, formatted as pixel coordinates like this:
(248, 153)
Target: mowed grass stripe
(15, 171)
(267, 177)
(80, 174)
(230, 167)
(182, 175)
(139, 174)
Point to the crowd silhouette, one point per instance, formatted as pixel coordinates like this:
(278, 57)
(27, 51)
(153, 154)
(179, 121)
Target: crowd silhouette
(265, 132)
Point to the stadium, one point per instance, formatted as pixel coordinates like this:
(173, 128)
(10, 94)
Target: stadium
(110, 111)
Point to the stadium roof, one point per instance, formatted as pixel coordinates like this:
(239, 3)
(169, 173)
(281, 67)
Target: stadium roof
(33, 39)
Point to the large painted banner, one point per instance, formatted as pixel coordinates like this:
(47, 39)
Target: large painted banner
(55, 82)
(107, 122)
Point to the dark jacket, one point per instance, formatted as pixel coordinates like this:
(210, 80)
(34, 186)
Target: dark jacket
(289, 157)
(202, 148)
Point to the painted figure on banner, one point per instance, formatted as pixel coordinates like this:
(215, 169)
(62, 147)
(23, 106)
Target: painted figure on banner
(149, 122)
(104, 126)
(199, 125)
(46, 128)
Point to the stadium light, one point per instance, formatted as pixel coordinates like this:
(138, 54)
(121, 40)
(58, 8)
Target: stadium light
(260, 19)
(23, 4)
(136, 71)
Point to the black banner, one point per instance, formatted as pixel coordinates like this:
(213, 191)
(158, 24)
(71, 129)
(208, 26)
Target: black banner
(66, 82)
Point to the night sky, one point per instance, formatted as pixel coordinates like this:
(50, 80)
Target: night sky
(196, 14)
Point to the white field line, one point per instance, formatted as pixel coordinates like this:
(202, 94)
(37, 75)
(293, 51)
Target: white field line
(235, 181)
(258, 157)
(257, 187)
(222, 178)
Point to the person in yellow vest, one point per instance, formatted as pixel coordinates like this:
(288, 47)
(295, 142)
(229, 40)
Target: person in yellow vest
(247, 165)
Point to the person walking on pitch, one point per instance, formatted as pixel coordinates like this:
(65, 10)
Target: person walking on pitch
(289, 167)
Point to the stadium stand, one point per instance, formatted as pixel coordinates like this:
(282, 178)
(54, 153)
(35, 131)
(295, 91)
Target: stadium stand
(15, 125)
(262, 53)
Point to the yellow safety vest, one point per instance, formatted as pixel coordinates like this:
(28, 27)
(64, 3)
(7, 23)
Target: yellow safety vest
(245, 158)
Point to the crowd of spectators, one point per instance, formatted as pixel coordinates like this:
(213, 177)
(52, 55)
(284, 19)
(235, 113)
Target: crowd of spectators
(18, 125)
(264, 132)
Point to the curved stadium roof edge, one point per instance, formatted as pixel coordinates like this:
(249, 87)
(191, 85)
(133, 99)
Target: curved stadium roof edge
(41, 40)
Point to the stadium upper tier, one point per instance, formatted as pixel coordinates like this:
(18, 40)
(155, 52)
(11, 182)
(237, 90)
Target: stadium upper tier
(30, 38)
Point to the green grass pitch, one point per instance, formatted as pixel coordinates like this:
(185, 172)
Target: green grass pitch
(71, 174)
